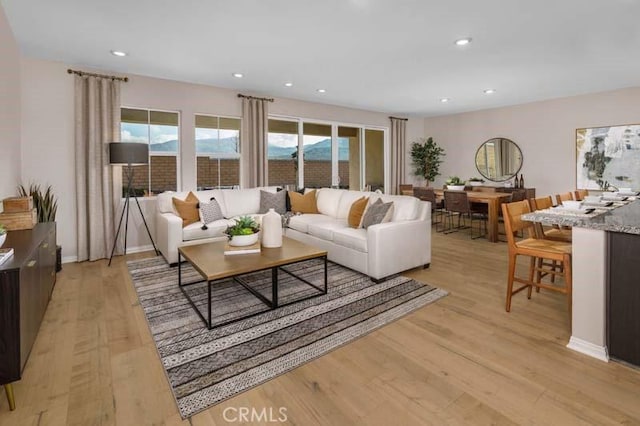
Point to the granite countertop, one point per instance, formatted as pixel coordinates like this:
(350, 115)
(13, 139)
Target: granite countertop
(625, 219)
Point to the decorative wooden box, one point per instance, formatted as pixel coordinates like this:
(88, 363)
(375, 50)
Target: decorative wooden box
(19, 221)
(17, 204)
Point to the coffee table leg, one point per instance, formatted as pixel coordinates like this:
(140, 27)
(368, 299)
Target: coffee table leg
(179, 271)
(274, 288)
(325, 275)
(209, 304)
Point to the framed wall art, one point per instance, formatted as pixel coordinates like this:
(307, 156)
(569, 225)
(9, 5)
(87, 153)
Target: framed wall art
(608, 157)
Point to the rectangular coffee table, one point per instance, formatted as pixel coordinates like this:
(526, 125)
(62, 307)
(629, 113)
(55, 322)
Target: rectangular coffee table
(211, 263)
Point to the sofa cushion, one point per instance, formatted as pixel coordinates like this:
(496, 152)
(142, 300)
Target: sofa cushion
(377, 212)
(210, 211)
(351, 238)
(357, 211)
(214, 229)
(303, 203)
(404, 207)
(328, 201)
(325, 229)
(187, 209)
(164, 201)
(240, 202)
(276, 201)
(347, 199)
(301, 222)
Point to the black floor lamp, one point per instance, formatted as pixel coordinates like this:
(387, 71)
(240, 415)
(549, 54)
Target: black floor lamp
(129, 154)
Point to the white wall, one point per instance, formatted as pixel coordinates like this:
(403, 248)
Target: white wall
(545, 132)
(9, 110)
(48, 140)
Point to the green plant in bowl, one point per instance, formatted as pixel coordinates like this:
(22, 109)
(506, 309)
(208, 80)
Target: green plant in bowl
(454, 181)
(476, 179)
(2, 230)
(245, 225)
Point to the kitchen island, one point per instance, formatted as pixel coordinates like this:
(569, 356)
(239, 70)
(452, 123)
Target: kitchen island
(606, 280)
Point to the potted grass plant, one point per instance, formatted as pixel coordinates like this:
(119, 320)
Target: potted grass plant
(46, 204)
(244, 232)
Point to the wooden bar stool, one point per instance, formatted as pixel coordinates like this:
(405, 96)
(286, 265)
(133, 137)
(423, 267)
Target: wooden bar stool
(555, 233)
(567, 196)
(579, 194)
(535, 249)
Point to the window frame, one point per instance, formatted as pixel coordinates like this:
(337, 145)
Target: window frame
(334, 147)
(177, 154)
(219, 157)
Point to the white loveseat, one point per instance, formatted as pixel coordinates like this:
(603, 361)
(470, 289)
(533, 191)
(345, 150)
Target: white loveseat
(379, 251)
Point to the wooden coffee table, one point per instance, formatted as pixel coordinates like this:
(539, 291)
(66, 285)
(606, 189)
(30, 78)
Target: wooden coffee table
(212, 264)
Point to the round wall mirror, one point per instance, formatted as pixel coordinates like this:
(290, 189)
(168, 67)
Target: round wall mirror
(498, 159)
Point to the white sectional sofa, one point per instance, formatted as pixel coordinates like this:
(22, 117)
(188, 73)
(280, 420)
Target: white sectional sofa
(379, 251)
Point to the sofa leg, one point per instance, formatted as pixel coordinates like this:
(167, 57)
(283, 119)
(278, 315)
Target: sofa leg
(378, 281)
(426, 266)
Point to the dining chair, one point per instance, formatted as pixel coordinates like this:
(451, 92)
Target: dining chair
(567, 196)
(535, 249)
(456, 203)
(405, 189)
(428, 194)
(580, 194)
(555, 233)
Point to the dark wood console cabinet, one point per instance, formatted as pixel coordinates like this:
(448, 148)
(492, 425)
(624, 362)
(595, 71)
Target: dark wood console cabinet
(26, 283)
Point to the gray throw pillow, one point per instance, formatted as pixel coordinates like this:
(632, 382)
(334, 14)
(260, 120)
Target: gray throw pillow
(376, 213)
(276, 201)
(210, 212)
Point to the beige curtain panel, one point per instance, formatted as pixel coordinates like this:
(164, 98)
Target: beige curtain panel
(398, 136)
(97, 122)
(253, 143)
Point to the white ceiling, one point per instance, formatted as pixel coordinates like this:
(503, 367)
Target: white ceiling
(396, 56)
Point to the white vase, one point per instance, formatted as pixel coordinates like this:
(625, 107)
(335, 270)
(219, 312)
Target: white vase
(271, 229)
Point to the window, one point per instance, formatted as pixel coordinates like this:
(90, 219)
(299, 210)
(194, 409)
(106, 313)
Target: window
(316, 146)
(334, 155)
(217, 152)
(282, 153)
(161, 130)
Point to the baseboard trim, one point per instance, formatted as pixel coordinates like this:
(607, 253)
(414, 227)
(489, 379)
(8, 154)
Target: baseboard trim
(130, 250)
(588, 348)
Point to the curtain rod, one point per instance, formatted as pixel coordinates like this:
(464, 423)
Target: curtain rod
(398, 118)
(240, 95)
(112, 77)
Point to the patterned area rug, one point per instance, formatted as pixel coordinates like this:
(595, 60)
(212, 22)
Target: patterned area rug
(205, 367)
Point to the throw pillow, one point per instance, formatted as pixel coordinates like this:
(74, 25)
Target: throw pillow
(210, 212)
(276, 201)
(376, 213)
(187, 209)
(356, 211)
(303, 203)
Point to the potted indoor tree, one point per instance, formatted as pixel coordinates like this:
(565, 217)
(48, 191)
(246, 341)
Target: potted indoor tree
(244, 232)
(426, 157)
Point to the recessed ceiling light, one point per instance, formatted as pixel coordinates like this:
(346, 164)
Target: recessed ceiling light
(288, 84)
(489, 91)
(118, 53)
(237, 75)
(321, 91)
(444, 100)
(463, 41)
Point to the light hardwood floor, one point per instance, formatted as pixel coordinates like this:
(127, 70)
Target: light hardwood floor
(461, 360)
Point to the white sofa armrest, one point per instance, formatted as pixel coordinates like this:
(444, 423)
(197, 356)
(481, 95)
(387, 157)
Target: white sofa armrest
(397, 246)
(169, 235)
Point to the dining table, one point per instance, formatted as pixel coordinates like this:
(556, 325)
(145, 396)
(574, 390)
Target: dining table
(493, 200)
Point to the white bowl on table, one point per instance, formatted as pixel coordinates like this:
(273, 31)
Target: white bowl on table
(572, 205)
(455, 187)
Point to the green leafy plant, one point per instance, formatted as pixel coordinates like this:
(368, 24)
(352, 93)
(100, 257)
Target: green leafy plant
(244, 225)
(455, 180)
(44, 201)
(2, 230)
(426, 157)
(475, 179)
